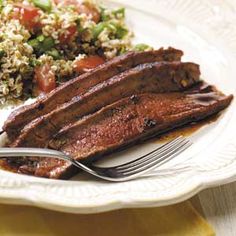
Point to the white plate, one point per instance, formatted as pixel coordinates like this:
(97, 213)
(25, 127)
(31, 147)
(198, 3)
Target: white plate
(206, 31)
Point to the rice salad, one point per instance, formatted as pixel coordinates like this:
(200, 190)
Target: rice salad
(44, 43)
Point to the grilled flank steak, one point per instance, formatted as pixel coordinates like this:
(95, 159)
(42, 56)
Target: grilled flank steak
(123, 102)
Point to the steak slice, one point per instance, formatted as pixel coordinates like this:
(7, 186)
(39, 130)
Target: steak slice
(20, 117)
(155, 77)
(126, 122)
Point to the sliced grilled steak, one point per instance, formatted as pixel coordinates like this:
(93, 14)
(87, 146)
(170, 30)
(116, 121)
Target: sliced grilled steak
(126, 122)
(153, 77)
(78, 86)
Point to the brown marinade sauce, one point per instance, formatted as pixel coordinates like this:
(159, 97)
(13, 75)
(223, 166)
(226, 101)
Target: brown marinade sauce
(186, 130)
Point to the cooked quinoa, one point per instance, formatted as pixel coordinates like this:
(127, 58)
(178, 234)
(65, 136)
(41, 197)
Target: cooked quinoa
(52, 37)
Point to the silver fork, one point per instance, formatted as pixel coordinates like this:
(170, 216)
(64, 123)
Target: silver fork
(124, 172)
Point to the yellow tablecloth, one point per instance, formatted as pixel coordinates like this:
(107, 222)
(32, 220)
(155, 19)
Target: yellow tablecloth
(180, 219)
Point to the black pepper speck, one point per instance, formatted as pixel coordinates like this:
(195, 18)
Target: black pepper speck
(134, 99)
(149, 123)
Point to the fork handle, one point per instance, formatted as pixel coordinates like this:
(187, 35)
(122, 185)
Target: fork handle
(42, 152)
(33, 152)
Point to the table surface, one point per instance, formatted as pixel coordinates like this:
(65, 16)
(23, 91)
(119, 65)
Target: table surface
(218, 205)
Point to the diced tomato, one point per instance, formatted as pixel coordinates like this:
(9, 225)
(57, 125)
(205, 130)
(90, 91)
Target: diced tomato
(68, 35)
(45, 78)
(88, 63)
(87, 8)
(27, 15)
